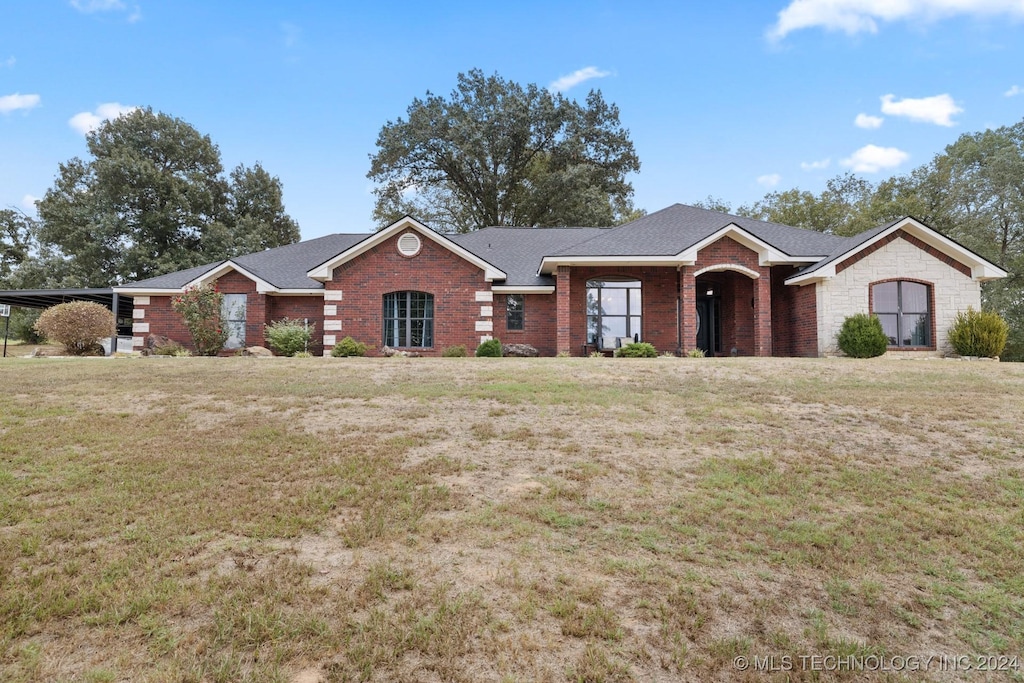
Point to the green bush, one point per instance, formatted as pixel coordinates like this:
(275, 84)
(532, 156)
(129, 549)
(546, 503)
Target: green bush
(78, 325)
(23, 325)
(696, 353)
(861, 336)
(979, 333)
(637, 350)
(457, 351)
(288, 337)
(489, 349)
(348, 347)
(200, 307)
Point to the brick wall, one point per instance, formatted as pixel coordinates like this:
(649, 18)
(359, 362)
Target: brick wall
(460, 316)
(300, 308)
(748, 328)
(658, 302)
(540, 324)
(794, 316)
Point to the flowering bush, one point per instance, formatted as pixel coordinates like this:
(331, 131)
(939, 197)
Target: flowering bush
(200, 309)
(78, 325)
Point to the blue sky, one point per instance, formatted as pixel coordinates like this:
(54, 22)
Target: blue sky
(731, 99)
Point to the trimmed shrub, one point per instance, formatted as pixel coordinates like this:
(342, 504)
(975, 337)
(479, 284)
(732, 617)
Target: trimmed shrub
(489, 349)
(288, 337)
(348, 347)
(861, 336)
(696, 353)
(637, 350)
(457, 351)
(200, 307)
(979, 333)
(78, 325)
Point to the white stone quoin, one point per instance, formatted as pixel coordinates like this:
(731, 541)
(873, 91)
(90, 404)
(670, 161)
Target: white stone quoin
(484, 326)
(332, 325)
(486, 311)
(331, 309)
(139, 313)
(485, 296)
(332, 295)
(140, 327)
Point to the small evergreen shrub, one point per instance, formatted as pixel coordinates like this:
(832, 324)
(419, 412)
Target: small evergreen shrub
(303, 354)
(637, 350)
(78, 325)
(457, 351)
(489, 349)
(348, 347)
(200, 308)
(288, 337)
(979, 333)
(861, 336)
(696, 353)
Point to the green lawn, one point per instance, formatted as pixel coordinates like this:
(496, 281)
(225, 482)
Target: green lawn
(198, 519)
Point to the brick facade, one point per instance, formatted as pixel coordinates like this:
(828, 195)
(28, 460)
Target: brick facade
(460, 315)
(759, 313)
(794, 316)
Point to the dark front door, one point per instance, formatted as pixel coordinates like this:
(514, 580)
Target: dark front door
(708, 331)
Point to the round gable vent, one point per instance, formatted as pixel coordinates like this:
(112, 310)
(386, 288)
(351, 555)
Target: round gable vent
(409, 244)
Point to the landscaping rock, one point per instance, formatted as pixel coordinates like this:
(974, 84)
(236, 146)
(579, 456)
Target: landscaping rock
(257, 352)
(519, 350)
(389, 352)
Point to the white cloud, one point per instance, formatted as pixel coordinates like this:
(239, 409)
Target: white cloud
(938, 109)
(8, 63)
(1012, 92)
(576, 77)
(9, 103)
(769, 180)
(89, 6)
(28, 202)
(815, 165)
(872, 159)
(867, 121)
(863, 16)
(87, 121)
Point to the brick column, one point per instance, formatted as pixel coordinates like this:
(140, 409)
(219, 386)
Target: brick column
(562, 318)
(763, 313)
(688, 318)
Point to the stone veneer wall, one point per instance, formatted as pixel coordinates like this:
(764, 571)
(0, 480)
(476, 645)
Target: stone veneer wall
(848, 292)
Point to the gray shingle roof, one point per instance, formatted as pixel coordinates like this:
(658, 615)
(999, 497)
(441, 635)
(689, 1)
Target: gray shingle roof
(284, 267)
(678, 227)
(845, 245)
(519, 251)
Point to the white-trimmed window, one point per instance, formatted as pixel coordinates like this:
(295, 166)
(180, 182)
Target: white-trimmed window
(232, 316)
(514, 307)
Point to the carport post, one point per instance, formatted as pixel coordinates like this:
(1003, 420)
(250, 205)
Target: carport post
(7, 326)
(113, 308)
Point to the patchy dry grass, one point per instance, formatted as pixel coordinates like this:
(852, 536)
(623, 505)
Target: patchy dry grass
(591, 520)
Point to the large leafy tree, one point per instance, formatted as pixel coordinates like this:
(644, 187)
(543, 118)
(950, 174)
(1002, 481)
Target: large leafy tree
(499, 153)
(15, 241)
(151, 199)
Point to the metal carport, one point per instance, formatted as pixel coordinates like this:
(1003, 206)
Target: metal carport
(105, 296)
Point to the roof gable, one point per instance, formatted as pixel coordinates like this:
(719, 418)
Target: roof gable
(325, 270)
(981, 269)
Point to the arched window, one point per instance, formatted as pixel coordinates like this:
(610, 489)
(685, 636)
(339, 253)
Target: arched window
(903, 308)
(614, 312)
(409, 319)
